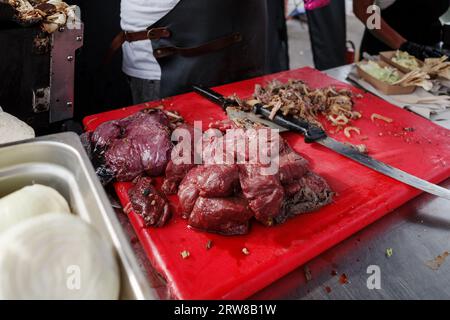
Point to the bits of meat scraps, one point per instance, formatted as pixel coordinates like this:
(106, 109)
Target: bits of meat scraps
(308, 275)
(185, 254)
(343, 279)
(361, 148)
(128, 208)
(437, 262)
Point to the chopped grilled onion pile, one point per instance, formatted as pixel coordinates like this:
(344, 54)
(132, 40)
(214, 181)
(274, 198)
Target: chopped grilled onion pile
(52, 14)
(295, 98)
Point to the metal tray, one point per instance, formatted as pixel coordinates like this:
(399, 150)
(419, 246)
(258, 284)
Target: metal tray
(60, 161)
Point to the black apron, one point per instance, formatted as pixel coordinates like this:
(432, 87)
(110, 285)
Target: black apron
(277, 46)
(328, 34)
(415, 20)
(211, 42)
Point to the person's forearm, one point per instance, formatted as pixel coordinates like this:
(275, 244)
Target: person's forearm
(385, 33)
(388, 35)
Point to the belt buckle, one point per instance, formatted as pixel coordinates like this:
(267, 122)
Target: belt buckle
(125, 36)
(157, 33)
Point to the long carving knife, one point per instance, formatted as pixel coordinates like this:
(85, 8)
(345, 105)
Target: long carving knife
(314, 134)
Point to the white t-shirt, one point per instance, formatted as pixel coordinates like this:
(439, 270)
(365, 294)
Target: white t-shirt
(383, 4)
(138, 15)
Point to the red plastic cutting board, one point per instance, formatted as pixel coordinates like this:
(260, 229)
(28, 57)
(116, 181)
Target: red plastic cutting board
(363, 196)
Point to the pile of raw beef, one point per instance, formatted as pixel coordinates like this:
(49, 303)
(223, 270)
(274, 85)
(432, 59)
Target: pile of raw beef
(219, 198)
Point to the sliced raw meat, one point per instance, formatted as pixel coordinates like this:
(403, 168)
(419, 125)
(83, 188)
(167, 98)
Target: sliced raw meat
(149, 203)
(228, 216)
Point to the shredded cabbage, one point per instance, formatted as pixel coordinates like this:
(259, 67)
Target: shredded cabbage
(406, 60)
(385, 74)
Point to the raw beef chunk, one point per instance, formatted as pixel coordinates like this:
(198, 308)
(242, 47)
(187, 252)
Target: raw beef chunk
(124, 160)
(177, 170)
(228, 216)
(135, 145)
(188, 191)
(292, 166)
(105, 134)
(149, 203)
(207, 181)
(218, 180)
(264, 193)
(223, 198)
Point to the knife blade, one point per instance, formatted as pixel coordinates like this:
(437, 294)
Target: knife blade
(314, 134)
(231, 108)
(249, 119)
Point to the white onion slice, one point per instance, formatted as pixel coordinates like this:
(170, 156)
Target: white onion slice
(57, 256)
(29, 202)
(13, 129)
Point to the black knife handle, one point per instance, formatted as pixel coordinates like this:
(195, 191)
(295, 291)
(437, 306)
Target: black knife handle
(311, 132)
(213, 96)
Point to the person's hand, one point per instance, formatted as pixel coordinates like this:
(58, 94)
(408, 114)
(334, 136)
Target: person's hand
(423, 52)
